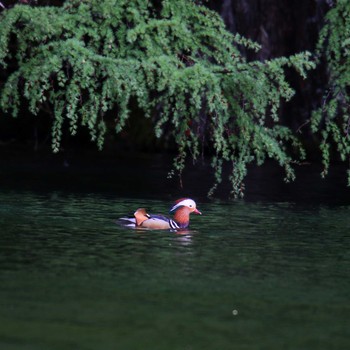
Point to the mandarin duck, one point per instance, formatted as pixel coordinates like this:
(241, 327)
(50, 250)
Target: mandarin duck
(181, 209)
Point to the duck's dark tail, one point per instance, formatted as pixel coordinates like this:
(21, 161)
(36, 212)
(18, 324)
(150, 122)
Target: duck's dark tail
(126, 222)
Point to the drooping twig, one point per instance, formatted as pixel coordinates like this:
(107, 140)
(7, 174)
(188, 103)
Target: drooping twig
(302, 125)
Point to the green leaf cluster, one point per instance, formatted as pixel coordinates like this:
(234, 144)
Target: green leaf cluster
(332, 120)
(176, 60)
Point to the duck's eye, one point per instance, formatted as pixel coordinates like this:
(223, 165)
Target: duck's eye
(190, 205)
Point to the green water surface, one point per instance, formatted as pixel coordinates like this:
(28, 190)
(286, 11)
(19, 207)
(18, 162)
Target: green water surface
(246, 276)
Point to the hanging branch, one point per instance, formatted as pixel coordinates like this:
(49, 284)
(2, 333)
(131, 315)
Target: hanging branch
(177, 62)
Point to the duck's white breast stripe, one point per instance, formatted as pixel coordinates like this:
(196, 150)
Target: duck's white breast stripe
(173, 224)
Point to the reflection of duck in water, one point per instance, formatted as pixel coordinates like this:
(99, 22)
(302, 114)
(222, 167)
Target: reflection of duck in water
(182, 209)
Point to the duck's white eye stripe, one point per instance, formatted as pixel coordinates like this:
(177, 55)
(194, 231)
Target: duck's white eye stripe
(187, 203)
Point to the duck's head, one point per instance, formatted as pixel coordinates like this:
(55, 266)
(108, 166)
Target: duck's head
(185, 203)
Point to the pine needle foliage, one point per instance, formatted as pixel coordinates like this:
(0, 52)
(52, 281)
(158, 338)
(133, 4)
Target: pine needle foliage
(174, 58)
(332, 119)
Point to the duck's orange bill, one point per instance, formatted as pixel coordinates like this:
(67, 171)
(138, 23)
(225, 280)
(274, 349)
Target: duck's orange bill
(196, 211)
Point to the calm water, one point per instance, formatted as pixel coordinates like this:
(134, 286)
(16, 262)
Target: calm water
(247, 276)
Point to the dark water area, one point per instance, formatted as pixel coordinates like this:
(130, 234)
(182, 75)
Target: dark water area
(267, 272)
(139, 175)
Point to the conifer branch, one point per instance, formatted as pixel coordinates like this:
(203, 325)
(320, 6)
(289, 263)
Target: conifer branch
(176, 62)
